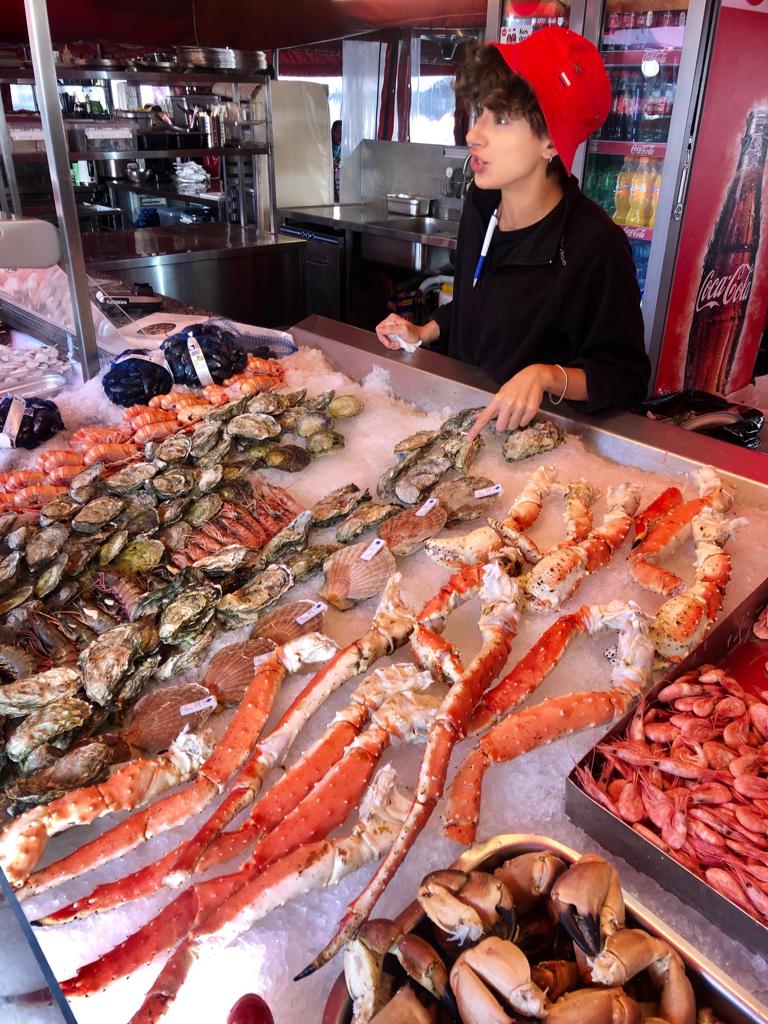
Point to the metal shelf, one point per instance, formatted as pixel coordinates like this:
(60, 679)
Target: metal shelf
(634, 58)
(610, 147)
(175, 76)
(153, 154)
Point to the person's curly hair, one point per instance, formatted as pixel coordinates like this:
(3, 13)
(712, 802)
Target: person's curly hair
(485, 81)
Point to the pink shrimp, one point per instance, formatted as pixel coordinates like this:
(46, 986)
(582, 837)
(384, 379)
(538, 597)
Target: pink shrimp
(63, 474)
(110, 452)
(156, 431)
(36, 496)
(87, 437)
(58, 457)
(19, 478)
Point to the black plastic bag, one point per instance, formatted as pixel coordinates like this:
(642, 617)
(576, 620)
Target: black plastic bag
(41, 421)
(135, 377)
(222, 357)
(709, 414)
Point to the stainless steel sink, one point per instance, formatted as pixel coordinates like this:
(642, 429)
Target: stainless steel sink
(418, 225)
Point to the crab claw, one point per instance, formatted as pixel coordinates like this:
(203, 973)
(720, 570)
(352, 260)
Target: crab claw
(589, 902)
(495, 964)
(467, 907)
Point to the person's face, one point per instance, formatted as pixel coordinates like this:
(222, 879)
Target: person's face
(505, 150)
(336, 134)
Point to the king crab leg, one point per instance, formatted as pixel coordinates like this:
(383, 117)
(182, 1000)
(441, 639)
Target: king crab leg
(210, 846)
(557, 575)
(476, 547)
(24, 841)
(557, 717)
(228, 757)
(499, 616)
(669, 531)
(405, 717)
(682, 621)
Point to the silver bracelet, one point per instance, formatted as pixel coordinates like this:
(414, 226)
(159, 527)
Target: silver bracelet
(557, 401)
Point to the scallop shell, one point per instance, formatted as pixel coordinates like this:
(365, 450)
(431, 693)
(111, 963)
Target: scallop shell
(349, 578)
(230, 670)
(458, 498)
(405, 533)
(280, 625)
(157, 717)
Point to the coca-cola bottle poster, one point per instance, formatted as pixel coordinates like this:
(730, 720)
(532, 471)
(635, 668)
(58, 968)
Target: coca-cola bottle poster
(719, 291)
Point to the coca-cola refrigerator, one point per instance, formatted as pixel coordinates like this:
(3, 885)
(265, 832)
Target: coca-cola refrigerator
(679, 167)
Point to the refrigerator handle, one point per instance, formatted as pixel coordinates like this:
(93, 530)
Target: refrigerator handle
(677, 212)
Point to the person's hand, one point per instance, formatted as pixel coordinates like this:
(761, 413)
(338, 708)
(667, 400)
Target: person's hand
(516, 402)
(394, 324)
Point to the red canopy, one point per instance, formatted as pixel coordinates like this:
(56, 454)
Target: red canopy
(241, 24)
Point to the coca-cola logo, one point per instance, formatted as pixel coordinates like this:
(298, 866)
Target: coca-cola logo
(725, 290)
(638, 149)
(639, 233)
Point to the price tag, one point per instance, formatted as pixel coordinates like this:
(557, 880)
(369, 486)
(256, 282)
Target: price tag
(12, 424)
(373, 549)
(428, 505)
(198, 360)
(317, 609)
(488, 492)
(261, 658)
(27, 134)
(198, 705)
(108, 133)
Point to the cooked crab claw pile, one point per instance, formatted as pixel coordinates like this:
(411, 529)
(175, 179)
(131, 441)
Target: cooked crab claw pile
(531, 940)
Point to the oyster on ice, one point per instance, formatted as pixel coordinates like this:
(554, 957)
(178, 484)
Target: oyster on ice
(539, 437)
(339, 503)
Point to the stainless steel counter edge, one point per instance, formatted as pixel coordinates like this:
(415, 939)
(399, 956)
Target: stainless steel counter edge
(655, 446)
(190, 255)
(368, 218)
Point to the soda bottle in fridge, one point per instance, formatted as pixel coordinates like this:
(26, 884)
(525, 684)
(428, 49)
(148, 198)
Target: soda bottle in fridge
(637, 212)
(622, 193)
(729, 266)
(654, 187)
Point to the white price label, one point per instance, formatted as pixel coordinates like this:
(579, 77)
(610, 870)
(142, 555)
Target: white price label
(261, 658)
(27, 134)
(198, 705)
(373, 549)
(198, 360)
(488, 492)
(317, 609)
(12, 424)
(428, 505)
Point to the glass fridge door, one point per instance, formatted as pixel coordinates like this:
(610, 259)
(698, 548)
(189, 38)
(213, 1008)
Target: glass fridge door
(519, 20)
(641, 44)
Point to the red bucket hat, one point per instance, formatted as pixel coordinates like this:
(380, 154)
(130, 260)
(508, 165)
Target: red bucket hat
(568, 77)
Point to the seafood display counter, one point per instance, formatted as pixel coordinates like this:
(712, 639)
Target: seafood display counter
(112, 908)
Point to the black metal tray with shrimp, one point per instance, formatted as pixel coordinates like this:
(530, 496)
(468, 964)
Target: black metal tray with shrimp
(731, 1003)
(730, 646)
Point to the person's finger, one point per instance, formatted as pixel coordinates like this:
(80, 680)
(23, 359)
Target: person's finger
(482, 419)
(528, 415)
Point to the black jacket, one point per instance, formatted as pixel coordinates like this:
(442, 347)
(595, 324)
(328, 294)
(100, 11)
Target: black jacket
(562, 291)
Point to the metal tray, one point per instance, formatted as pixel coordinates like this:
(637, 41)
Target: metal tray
(414, 206)
(44, 385)
(614, 834)
(712, 987)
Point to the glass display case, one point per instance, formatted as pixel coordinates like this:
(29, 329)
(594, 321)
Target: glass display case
(28, 991)
(520, 19)
(641, 49)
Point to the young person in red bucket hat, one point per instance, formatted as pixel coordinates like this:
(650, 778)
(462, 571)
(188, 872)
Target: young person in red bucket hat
(545, 295)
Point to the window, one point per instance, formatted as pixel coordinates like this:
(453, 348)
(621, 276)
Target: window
(433, 102)
(23, 97)
(334, 90)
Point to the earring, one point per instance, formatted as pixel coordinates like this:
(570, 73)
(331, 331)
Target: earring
(550, 159)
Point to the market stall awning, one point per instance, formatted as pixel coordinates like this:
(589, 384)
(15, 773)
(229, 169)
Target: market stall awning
(240, 24)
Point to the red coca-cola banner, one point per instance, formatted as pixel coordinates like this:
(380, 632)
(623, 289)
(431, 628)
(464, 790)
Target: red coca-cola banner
(720, 286)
